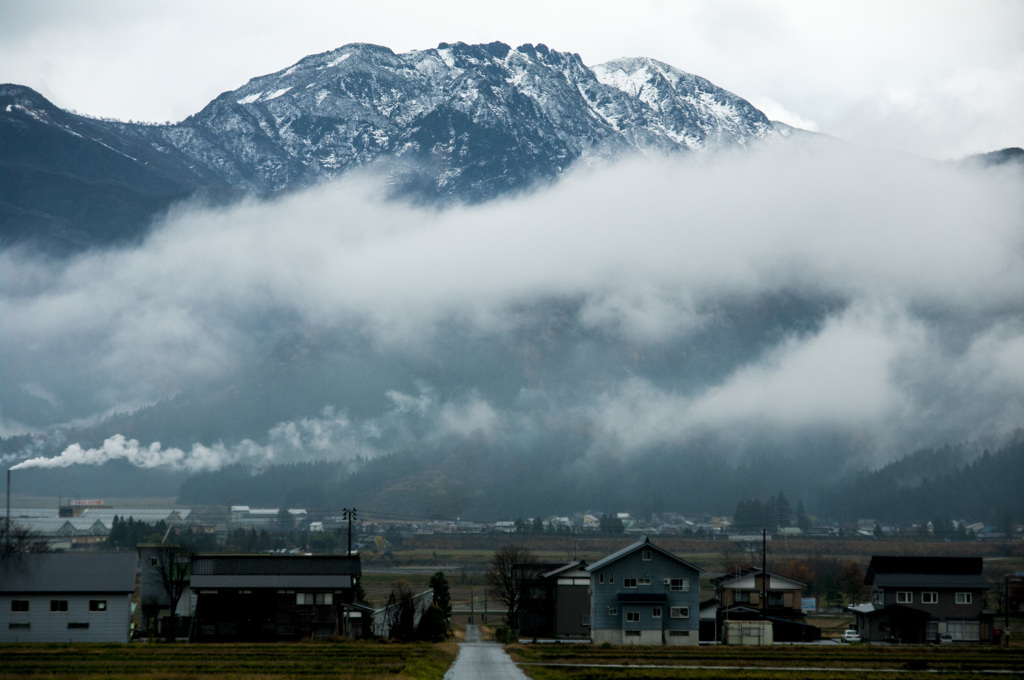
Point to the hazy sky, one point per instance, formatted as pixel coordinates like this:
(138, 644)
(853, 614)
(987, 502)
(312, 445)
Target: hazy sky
(939, 78)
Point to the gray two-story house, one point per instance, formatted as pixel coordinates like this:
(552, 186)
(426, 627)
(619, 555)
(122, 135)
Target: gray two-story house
(917, 599)
(644, 595)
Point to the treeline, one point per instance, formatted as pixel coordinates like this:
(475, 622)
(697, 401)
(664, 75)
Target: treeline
(936, 486)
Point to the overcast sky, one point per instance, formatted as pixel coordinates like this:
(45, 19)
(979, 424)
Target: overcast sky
(936, 78)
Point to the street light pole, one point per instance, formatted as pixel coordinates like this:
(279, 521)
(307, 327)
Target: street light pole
(349, 514)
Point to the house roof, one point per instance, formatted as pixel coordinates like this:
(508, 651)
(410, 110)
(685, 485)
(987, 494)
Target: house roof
(774, 580)
(274, 571)
(937, 572)
(561, 569)
(68, 572)
(643, 543)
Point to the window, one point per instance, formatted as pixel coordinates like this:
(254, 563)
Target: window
(153, 562)
(613, 611)
(878, 597)
(904, 597)
(743, 596)
(629, 583)
(19, 626)
(633, 617)
(600, 578)
(584, 620)
(643, 581)
(679, 612)
(680, 584)
(325, 598)
(964, 598)
(776, 599)
(632, 633)
(929, 597)
(656, 613)
(58, 605)
(645, 555)
(679, 633)
(314, 598)
(19, 605)
(97, 605)
(77, 625)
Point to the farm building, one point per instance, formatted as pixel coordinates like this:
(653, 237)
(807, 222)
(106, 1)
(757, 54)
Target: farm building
(276, 597)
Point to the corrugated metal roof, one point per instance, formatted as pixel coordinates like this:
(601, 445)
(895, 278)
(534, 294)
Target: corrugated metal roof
(68, 572)
(276, 565)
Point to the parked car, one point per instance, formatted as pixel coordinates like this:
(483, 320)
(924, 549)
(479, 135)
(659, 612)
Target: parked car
(945, 639)
(850, 636)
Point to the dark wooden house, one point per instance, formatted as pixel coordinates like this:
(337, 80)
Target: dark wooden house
(276, 597)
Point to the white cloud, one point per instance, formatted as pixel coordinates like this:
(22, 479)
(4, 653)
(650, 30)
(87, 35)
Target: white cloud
(651, 251)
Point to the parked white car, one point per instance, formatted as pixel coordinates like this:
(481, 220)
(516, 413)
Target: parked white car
(945, 639)
(850, 636)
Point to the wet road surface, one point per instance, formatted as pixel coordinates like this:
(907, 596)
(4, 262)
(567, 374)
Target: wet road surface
(482, 661)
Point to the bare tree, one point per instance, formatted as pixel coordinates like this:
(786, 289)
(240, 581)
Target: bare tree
(507, 575)
(173, 565)
(18, 539)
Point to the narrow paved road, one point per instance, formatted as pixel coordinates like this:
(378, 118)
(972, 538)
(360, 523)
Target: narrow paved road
(482, 661)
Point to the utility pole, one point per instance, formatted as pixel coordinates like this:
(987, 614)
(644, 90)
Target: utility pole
(349, 514)
(764, 569)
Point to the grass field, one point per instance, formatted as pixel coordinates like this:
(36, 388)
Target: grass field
(604, 662)
(338, 661)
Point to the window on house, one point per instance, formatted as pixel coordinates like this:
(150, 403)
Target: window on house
(633, 617)
(930, 597)
(904, 597)
(878, 597)
(679, 633)
(632, 633)
(153, 562)
(58, 605)
(679, 612)
(600, 578)
(643, 581)
(743, 596)
(97, 605)
(19, 605)
(584, 620)
(775, 599)
(613, 611)
(19, 626)
(629, 583)
(656, 613)
(325, 598)
(77, 625)
(964, 598)
(303, 598)
(645, 555)
(680, 584)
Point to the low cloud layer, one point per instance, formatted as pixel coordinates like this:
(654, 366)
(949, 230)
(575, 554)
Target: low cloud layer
(906, 276)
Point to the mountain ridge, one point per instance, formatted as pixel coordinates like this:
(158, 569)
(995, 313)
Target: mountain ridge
(455, 123)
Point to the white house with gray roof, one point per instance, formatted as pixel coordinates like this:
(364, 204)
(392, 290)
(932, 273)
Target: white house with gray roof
(66, 597)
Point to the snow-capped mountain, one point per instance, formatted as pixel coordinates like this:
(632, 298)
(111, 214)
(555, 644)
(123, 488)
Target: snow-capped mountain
(456, 123)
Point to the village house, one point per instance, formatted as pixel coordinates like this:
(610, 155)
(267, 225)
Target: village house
(644, 595)
(276, 597)
(66, 597)
(556, 601)
(917, 599)
(752, 595)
